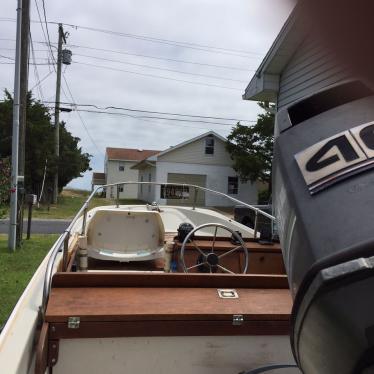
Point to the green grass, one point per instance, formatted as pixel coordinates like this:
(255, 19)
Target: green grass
(70, 201)
(17, 268)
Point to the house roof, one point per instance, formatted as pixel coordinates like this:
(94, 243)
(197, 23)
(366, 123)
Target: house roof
(264, 85)
(191, 141)
(150, 161)
(129, 154)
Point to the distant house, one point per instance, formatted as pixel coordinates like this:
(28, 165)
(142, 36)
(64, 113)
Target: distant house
(201, 161)
(118, 168)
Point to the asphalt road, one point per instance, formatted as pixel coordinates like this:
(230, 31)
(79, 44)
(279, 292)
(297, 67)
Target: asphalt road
(39, 226)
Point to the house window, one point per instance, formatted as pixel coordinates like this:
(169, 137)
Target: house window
(120, 189)
(121, 167)
(209, 145)
(232, 186)
(141, 186)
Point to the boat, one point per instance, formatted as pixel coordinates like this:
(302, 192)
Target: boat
(154, 288)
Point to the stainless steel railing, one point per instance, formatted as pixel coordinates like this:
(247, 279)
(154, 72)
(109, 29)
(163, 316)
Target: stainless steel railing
(62, 243)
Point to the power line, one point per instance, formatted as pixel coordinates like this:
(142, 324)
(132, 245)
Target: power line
(41, 81)
(157, 58)
(80, 117)
(202, 47)
(142, 119)
(9, 58)
(153, 112)
(36, 72)
(46, 27)
(140, 55)
(159, 68)
(154, 117)
(158, 76)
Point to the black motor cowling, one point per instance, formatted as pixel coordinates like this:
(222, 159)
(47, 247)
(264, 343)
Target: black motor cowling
(323, 197)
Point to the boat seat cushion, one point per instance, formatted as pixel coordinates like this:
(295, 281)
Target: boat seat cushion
(125, 232)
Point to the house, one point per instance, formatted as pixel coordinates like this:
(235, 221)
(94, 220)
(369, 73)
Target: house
(201, 161)
(118, 168)
(296, 66)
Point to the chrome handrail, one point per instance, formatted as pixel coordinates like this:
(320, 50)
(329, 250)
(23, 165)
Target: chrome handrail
(83, 210)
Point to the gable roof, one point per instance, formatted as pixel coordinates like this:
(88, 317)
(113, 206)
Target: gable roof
(180, 145)
(129, 154)
(264, 85)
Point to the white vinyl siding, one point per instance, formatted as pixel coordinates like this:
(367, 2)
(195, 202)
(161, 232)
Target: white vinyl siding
(194, 153)
(309, 70)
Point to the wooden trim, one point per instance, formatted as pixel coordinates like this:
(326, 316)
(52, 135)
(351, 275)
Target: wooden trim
(167, 328)
(71, 253)
(119, 279)
(72, 257)
(223, 243)
(41, 356)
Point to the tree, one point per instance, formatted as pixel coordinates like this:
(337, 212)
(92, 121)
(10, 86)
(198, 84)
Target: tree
(251, 148)
(39, 147)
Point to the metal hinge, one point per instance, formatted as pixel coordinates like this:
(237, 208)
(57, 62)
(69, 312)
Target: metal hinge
(73, 322)
(237, 319)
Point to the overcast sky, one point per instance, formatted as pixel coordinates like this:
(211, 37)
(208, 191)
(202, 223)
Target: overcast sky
(243, 30)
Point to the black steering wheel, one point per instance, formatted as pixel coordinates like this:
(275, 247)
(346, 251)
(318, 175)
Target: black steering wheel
(210, 258)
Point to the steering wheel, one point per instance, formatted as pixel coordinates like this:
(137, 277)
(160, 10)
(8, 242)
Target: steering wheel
(211, 259)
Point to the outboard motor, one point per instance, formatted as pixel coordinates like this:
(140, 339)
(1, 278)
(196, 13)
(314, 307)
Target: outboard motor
(323, 191)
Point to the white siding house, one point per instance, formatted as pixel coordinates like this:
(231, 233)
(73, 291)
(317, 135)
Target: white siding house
(295, 67)
(118, 168)
(201, 161)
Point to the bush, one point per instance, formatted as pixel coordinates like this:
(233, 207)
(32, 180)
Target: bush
(4, 185)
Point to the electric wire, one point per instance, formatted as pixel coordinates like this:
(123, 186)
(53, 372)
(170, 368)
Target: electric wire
(196, 46)
(156, 57)
(47, 41)
(152, 112)
(159, 68)
(36, 72)
(202, 47)
(80, 117)
(158, 76)
(46, 27)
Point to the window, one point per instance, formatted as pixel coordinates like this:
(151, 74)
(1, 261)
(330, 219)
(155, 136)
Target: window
(141, 186)
(209, 145)
(232, 186)
(120, 189)
(121, 166)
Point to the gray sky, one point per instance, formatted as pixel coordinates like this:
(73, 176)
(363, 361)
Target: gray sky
(243, 29)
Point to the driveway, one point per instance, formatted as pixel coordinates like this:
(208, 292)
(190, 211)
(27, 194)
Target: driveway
(39, 226)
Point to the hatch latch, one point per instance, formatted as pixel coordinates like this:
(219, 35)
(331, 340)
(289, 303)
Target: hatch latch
(74, 322)
(237, 319)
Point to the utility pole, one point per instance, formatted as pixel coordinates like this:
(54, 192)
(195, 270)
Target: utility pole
(24, 75)
(15, 137)
(61, 38)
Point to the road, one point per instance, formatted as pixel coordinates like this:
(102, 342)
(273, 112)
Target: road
(39, 226)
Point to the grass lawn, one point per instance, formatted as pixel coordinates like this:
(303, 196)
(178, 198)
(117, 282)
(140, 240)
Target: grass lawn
(69, 202)
(16, 269)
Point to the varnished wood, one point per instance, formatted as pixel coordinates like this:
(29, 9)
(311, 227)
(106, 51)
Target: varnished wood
(156, 304)
(252, 246)
(169, 280)
(41, 356)
(168, 328)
